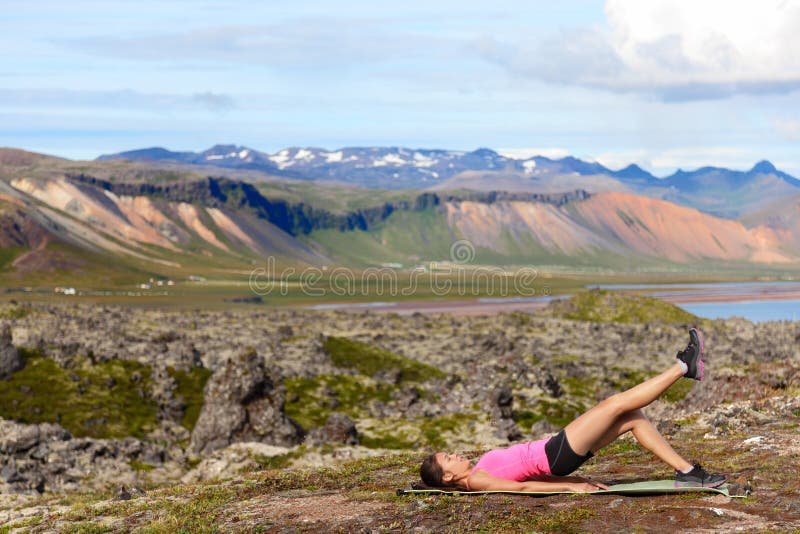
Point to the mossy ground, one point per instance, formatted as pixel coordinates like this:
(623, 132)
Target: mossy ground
(606, 306)
(14, 311)
(360, 495)
(558, 412)
(141, 466)
(279, 461)
(101, 400)
(190, 388)
(248, 504)
(108, 399)
(368, 360)
(310, 401)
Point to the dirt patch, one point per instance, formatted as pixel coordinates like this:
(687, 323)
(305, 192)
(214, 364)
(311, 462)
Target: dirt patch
(305, 510)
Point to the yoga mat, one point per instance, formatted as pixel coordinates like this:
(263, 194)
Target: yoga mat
(648, 487)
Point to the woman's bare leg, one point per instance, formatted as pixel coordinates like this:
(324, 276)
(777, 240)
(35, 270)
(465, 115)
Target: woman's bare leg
(589, 429)
(647, 436)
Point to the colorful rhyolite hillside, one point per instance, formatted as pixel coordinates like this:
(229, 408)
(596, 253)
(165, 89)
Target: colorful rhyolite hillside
(112, 217)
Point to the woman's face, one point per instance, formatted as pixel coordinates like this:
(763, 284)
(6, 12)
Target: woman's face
(452, 463)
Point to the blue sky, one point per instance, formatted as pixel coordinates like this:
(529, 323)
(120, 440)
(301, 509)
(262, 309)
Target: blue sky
(662, 83)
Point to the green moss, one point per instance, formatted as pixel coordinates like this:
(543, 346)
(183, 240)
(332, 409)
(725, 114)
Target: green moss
(388, 440)
(558, 412)
(190, 388)
(292, 339)
(21, 524)
(525, 419)
(96, 400)
(578, 386)
(521, 519)
(278, 461)
(628, 378)
(403, 433)
(368, 360)
(686, 421)
(140, 466)
(14, 312)
(8, 255)
(562, 521)
(310, 401)
(520, 318)
(621, 446)
(621, 378)
(433, 429)
(565, 359)
(86, 528)
(191, 463)
(605, 306)
(678, 391)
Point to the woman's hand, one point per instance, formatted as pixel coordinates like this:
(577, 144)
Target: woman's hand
(586, 485)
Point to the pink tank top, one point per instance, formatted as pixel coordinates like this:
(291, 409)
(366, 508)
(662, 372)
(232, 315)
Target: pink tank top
(518, 462)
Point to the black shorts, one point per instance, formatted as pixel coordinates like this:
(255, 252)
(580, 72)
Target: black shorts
(562, 459)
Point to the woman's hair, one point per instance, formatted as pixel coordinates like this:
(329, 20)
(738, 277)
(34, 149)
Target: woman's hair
(431, 472)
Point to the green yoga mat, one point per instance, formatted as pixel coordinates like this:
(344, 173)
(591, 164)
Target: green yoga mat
(648, 487)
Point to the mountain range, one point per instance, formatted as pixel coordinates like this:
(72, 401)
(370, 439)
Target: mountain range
(715, 190)
(115, 220)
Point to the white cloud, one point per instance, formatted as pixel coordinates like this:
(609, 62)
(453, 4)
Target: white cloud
(214, 101)
(621, 159)
(126, 99)
(679, 50)
(318, 42)
(787, 127)
(526, 153)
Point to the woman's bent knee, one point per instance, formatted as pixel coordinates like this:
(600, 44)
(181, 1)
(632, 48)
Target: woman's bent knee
(614, 405)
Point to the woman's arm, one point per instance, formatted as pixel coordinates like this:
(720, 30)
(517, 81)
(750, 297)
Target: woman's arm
(573, 479)
(482, 481)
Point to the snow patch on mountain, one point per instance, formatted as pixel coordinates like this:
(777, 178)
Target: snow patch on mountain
(421, 160)
(389, 159)
(304, 154)
(529, 165)
(333, 157)
(281, 159)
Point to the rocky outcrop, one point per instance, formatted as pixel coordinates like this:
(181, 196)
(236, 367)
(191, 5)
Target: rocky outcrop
(502, 412)
(45, 457)
(243, 403)
(338, 429)
(233, 460)
(10, 360)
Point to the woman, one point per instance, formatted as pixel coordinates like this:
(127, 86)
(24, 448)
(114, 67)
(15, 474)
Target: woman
(544, 465)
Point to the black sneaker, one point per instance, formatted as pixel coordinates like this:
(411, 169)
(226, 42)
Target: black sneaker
(698, 478)
(692, 355)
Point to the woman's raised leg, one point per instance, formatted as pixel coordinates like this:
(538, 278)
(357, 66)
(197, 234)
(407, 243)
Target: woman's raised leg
(588, 430)
(647, 435)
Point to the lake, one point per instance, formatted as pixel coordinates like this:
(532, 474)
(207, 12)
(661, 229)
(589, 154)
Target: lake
(754, 310)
